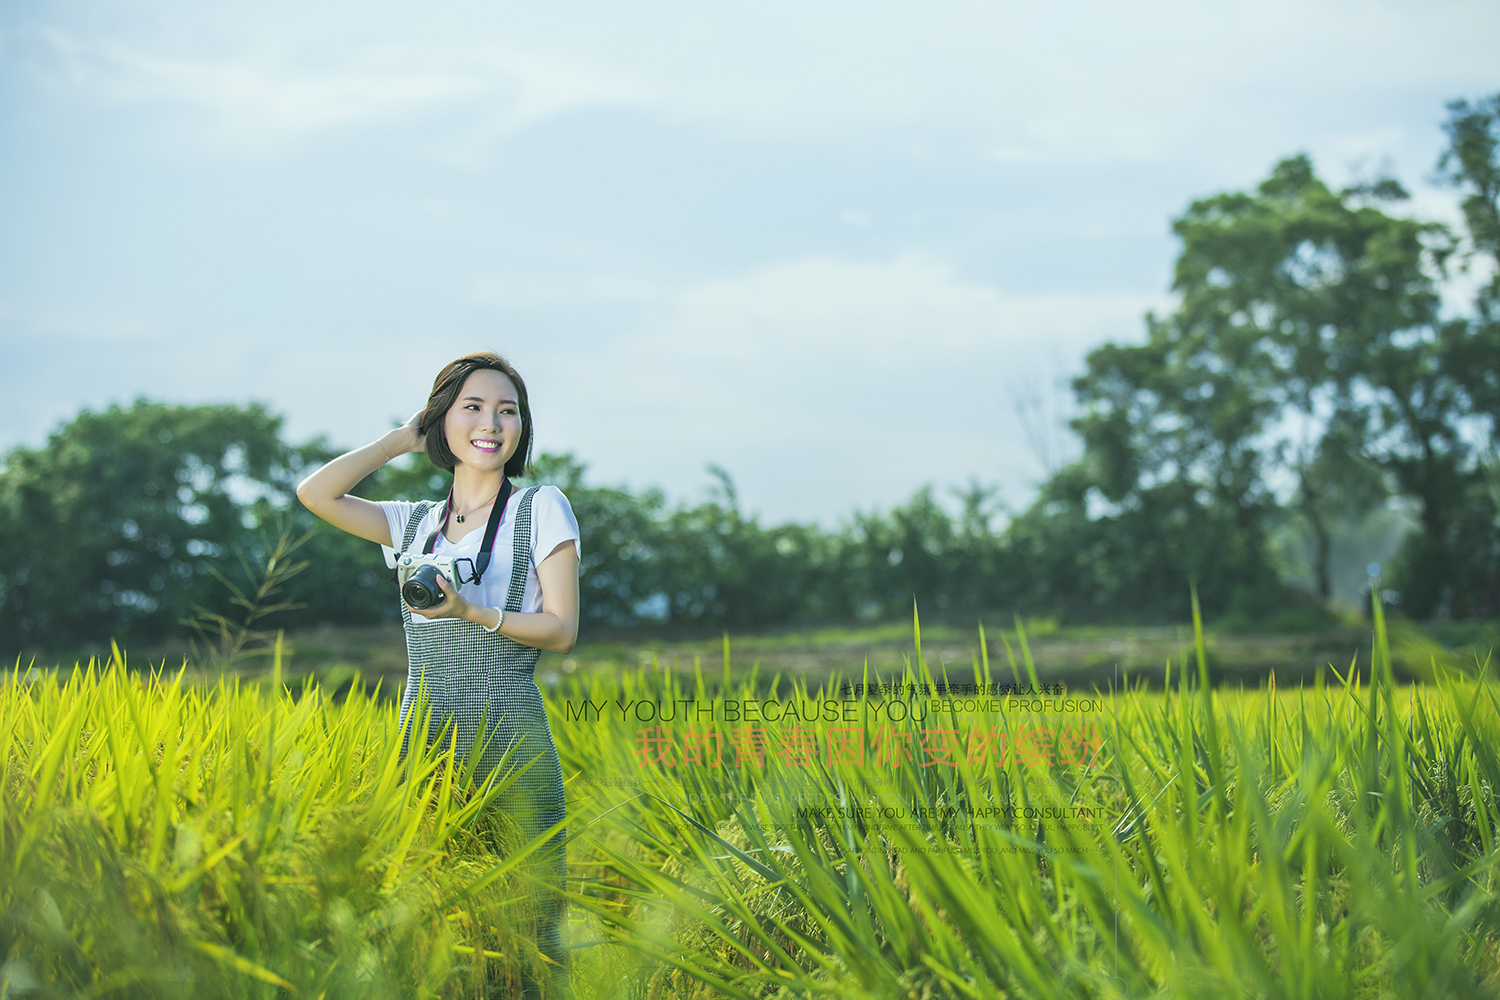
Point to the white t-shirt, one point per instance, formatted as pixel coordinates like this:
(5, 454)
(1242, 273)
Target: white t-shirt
(552, 523)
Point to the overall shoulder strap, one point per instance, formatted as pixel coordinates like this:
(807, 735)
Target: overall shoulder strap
(418, 513)
(522, 555)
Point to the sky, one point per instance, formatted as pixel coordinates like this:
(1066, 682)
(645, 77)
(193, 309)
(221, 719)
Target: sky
(840, 250)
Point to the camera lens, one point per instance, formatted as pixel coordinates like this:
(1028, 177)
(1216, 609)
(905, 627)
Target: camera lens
(421, 589)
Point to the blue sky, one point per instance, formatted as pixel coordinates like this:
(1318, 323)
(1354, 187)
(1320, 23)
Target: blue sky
(831, 247)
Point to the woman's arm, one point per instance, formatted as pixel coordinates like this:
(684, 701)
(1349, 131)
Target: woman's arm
(554, 628)
(325, 492)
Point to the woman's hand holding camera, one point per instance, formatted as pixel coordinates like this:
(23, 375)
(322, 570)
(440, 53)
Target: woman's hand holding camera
(454, 605)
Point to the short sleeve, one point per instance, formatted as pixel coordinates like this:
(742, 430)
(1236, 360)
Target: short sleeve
(552, 522)
(397, 513)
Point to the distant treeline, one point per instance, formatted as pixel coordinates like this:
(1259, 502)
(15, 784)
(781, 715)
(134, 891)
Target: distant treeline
(142, 510)
(1309, 377)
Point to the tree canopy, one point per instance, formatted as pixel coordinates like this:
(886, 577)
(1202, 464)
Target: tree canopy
(1307, 373)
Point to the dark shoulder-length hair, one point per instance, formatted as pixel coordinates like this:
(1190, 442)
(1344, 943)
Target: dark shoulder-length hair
(445, 390)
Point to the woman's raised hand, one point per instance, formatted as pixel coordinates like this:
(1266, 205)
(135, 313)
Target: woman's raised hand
(326, 491)
(412, 439)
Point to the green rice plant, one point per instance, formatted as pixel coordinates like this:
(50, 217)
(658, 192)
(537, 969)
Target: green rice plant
(1336, 841)
(160, 840)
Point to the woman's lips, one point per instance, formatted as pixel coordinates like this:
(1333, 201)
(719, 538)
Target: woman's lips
(486, 445)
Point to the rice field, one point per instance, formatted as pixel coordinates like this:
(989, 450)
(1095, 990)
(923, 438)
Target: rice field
(739, 836)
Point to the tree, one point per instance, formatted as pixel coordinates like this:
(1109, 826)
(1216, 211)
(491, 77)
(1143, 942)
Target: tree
(1307, 341)
(110, 528)
(1175, 430)
(622, 566)
(1471, 163)
(1341, 299)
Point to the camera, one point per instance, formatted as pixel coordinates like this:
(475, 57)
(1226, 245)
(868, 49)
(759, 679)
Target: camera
(418, 575)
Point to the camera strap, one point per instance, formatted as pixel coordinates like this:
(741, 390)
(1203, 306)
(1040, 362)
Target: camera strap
(497, 514)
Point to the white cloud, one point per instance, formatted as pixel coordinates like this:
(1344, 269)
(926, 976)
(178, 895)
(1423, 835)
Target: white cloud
(1092, 83)
(885, 312)
(514, 291)
(822, 379)
(257, 98)
(1085, 83)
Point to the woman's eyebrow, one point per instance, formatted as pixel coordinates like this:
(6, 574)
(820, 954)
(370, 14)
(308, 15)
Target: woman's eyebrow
(481, 399)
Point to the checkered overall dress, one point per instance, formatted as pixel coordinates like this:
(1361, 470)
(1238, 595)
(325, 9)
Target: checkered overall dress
(478, 678)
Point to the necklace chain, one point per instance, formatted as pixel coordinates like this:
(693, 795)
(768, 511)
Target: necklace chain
(460, 517)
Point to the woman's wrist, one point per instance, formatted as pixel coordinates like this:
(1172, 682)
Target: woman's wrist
(390, 449)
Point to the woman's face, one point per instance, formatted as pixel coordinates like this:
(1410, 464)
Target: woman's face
(484, 423)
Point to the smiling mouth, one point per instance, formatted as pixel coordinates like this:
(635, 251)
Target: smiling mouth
(486, 445)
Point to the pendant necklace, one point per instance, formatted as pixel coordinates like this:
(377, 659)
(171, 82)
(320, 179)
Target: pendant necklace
(460, 517)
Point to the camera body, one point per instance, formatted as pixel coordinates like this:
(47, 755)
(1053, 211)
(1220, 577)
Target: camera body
(417, 575)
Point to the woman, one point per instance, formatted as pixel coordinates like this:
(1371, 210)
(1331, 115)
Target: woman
(473, 655)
